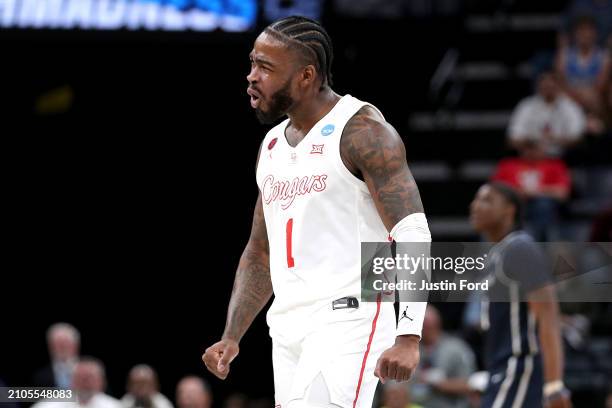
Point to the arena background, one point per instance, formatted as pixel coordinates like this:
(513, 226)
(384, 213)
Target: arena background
(129, 170)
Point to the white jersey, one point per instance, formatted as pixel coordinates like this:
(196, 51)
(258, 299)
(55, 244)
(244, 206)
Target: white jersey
(317, 214)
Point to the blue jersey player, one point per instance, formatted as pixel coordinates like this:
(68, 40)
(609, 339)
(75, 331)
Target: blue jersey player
(523, 350)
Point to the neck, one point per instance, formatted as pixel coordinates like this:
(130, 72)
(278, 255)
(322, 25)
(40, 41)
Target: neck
(305, 116)
(499, 232)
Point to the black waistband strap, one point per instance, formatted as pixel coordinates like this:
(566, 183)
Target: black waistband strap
(347, 302)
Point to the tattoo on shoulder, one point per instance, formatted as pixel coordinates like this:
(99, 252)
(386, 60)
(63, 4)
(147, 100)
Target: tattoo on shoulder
(371, 148)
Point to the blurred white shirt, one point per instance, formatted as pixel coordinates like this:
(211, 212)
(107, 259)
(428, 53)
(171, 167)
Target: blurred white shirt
(533, 117)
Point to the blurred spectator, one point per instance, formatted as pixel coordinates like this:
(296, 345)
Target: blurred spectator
(584, 68)
(397, 395)
(600, 10)
(446, 364)
(544, 182)
(548, 118)
(63, 341)
(193, 392)
(88, 384)
(143, 389)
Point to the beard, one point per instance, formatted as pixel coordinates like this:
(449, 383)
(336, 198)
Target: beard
(280, 102)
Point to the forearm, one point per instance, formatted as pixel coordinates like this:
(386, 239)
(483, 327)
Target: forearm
(252, 290)
(551, 349)
(413, 240)
(550, 341)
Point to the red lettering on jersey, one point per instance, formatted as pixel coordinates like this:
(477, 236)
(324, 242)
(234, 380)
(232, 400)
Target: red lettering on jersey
(286, 191)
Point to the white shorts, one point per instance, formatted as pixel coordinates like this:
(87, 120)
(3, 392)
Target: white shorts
(341, 345)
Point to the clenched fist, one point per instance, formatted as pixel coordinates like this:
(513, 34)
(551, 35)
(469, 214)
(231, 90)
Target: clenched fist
(398, 362)
(219, 356)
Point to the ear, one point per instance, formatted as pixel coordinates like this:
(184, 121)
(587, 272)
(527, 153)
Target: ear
(309, 75)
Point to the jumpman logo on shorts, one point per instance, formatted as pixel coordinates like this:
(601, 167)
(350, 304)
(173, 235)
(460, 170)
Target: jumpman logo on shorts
(406, 315)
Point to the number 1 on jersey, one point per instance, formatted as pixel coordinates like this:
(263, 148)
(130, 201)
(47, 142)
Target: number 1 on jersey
(289, 231)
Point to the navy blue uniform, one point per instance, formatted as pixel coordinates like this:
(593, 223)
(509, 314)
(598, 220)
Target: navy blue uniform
(515, 266)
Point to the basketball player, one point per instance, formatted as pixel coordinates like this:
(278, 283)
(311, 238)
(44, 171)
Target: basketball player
(523, 350)
(332, 175)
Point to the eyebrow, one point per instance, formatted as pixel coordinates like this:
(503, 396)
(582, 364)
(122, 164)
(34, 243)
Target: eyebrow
(260, 60)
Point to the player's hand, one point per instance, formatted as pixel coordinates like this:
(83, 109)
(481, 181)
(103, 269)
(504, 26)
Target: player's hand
(398, 362)
(219, 356)
(558, 400)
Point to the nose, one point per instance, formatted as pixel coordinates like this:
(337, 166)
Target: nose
(251, 77)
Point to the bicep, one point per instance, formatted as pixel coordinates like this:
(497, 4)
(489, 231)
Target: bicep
(394, 192)
(543, 303)
(378, 152)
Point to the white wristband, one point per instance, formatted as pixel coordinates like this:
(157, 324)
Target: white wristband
(412, 228)
(410, 319)
(553, 387)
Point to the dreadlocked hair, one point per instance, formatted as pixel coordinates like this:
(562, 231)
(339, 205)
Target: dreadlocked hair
(310, 38)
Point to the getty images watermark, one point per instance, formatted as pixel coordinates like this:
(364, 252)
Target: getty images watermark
(385, 266)
(507, 271)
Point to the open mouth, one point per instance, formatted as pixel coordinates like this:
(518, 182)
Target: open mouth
(255, 98)
(254, 102)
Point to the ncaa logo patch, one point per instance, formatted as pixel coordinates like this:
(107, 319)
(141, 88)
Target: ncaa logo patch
(328, 130)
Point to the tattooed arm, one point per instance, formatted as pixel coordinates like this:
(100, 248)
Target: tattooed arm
(252, 290)
(252, 286)
(373, 151)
